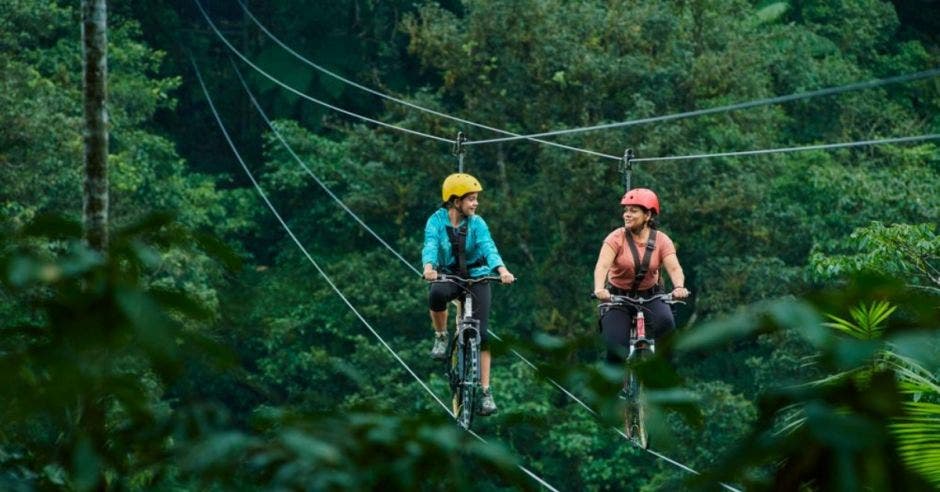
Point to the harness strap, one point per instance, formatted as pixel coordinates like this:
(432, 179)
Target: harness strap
(458, 245)
(642, 267)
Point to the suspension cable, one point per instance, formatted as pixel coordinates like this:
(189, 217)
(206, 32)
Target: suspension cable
(595, 414)
(303, 95)
(406, 263)
(323, 273)
(513, 137)
(732, 107)
(403, 101)
(364, 225)
(917, 138)
(293, 154)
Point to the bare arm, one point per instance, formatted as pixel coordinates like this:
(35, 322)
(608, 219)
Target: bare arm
(604, 260)
(674, 270)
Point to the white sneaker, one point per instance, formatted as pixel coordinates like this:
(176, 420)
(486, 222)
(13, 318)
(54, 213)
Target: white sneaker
(439, 351)
(487, 405)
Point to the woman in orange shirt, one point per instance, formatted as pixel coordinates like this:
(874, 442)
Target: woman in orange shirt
(616, 272)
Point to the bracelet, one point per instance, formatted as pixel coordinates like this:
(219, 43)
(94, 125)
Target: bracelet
(678, 287)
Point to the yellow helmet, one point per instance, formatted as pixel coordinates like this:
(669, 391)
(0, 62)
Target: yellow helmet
(459, 184)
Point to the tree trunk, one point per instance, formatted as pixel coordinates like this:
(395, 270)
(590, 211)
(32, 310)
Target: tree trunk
(95, 68)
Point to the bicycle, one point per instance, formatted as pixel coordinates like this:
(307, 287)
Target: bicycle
(640, 348)
(463, 352)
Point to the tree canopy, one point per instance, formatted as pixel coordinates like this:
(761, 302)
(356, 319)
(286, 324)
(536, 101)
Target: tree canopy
(206, 351)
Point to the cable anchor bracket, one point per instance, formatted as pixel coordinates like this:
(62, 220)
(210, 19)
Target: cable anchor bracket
(626, 169)
(459, 150)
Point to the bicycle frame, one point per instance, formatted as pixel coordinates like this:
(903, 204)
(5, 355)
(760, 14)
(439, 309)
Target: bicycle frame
(464, 316)
(464, 373)
(639, 347)
(637, 339)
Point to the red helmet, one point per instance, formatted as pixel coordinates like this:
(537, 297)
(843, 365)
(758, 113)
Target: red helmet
(642, 197)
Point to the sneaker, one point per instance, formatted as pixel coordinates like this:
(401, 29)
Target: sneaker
(439, 351)
(487, 405)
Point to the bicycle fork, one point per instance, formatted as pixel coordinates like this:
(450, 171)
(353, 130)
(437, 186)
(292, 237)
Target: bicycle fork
(639, 337)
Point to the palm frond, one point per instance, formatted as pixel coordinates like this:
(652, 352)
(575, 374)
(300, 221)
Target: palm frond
(844, 326)
(914, 378)
(867, 321)
(918, 436)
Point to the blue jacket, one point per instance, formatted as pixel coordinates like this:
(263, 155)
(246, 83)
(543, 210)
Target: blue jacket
(480, 245)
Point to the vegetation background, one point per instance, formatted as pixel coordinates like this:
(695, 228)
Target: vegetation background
(205, 350)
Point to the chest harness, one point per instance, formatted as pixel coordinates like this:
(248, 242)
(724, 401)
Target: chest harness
(458, 248)
(642, 267)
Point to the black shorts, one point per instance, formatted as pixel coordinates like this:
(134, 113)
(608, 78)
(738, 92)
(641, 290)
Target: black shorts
(443, 292)
(615, 327)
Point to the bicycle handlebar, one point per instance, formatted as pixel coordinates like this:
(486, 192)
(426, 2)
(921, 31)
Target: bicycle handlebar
(616, 300)
(446, 277)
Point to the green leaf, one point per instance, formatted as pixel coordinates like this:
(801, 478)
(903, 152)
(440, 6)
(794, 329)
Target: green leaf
(772, 12)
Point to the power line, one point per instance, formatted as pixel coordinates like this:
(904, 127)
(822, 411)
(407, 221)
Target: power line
(732, 107)
(862, 143)
(305, 96)
(402, 101)
(323, 273)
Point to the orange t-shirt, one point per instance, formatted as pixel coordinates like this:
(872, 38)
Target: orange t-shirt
(623, 271)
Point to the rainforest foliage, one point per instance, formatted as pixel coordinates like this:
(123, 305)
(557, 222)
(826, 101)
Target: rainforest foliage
(206, 350)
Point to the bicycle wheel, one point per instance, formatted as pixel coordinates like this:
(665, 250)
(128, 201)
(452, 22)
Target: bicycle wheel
(468, 370)
(454, 374)
(635, 411)
(642, 435)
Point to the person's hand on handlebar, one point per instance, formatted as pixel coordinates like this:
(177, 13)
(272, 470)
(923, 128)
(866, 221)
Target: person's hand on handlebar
(505, 276)
(602, 294)
(680, 292)
(430, 274)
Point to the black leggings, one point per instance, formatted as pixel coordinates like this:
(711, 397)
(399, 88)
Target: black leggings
(615, 326)
(443, 292)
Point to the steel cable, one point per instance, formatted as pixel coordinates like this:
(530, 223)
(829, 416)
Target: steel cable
(305, 96)
(917, 138)
(731, 107)
(293, 154)
(326, 277)
(404, 102)
(406, 263)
